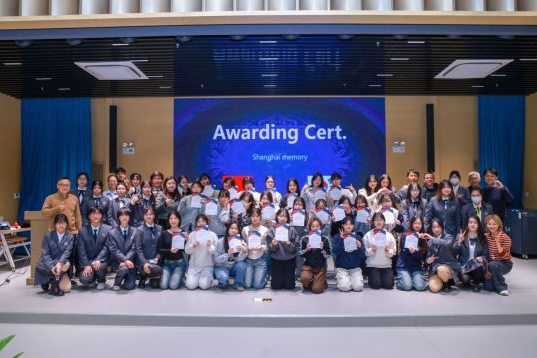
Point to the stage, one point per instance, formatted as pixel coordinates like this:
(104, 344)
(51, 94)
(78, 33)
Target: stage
(400, 319)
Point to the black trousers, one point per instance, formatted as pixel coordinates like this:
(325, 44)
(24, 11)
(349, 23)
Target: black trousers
(153, 276)
(283, 274)
(476, 276)
(381, 278)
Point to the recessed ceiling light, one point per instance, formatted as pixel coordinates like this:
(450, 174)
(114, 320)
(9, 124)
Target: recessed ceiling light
(119, 44)
(269, 75)
(269, 86)
(64, 89)
(416, 42)
(43, 78)
(375, 85)
(12, 63)
(399, 59)
(478, 86)
(165, 87)
(384, 74)
(528, 59)
(268, 42)
(156, 76)
(268, 58)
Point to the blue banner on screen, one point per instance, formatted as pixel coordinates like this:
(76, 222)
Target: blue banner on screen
(282, 137)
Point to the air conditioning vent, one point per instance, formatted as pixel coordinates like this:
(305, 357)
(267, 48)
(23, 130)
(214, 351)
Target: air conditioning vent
(465, 69)
(113, 71)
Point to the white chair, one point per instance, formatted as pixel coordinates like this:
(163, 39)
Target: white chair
(151, 6)
(501, 5)
(526, 5)
(64, 7)
(281, 5)
(187, 5)
(440, 5)
(124, 6)
(92, 7)
(33, 7)
(380, 5)
(470, 5)
(408, 5)
(218, 5)
(346, 5)
(9, 8)
(313, 5)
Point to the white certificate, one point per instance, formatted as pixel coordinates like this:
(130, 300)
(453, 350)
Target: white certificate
(233, 194)
(178, 241)
(291, 200)
(314, 240)
(362, 215)
(338, 213)
(234, 244)
(335, 194)
(195, 202)
(254, 240)
(350, 243)
(380, 239)
(282, 233)
(268, 212)
(389, 216)
(320, 194)
(237, 207)
(208, 191)
(411, 241)
(202, 235)
(299, 216)
(211, 208)
(323, 215)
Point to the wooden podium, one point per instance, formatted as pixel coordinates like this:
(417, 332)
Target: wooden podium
(39, 225)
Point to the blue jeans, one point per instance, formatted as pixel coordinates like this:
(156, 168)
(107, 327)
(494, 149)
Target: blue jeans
(256, 273)
(238, 271)
(407, 280)
(172, 274)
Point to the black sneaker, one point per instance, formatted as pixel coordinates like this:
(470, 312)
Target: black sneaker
(141, 284)
(447, 288)
(45, 286)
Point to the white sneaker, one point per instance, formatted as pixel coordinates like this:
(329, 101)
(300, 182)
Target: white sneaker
(101, 286)
(116, 288)
(504, 293)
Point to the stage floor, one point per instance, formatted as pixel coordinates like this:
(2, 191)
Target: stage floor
(229, 324)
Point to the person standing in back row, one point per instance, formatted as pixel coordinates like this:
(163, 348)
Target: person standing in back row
(495, 193)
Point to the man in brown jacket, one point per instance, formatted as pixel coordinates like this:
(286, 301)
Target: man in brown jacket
(62, 202)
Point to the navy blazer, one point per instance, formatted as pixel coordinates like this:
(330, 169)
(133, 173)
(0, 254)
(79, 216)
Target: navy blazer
(146, 245)
(54, 251)
(462, 251)
(451, 217)
(409, 211)
(121, 249)
(89, 249)
(103, 202)
(114, 208)
(469, 209)
(465, 195)
(442, 248)
(498, 199)
(137, 211)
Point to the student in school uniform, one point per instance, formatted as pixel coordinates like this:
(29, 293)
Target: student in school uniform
(313, 271)
(136, 181)
(140, 202)
(500, 260)
(363, 221)
(167, 201)
(184, 185)
(471, 251)
(315, 191)
(81, 191)
(300, 225)
(495, 193)
(321, 211)
(122, 201)
(348, 209)
(385, 184)
(248, 202)
(52, 269)
(269, 185)
(412, 176)
(411, 259)
(93, 250)
(430, 188)
(171, 258)
(443, 266)
(190, 207)
(156, 178)
(122, 250)
(219, 220)
(200, 246)
(111, 183)
(446, 207)
(230, 185)
(266, 204)
(349, 257)
(248, 184)
(476, 206)
(121, 175)
(412, 205)
(380, 247)
(371, 190)
(230, 255)
(95, 199)
(461, 193)
(145, 238)
(207, 187)
(291, 194)
(336, 191)
(256, 263)
(283, 252)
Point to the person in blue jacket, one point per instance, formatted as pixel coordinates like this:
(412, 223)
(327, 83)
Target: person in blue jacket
(411, 259)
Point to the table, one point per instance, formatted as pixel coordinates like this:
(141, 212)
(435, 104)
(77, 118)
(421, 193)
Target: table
(5, 246)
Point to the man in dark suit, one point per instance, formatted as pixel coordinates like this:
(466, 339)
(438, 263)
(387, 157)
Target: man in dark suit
(146, 237)
(123, 251)
(495, 193)
(93, 250)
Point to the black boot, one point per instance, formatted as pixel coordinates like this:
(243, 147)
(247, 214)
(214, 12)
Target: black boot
(55, 289)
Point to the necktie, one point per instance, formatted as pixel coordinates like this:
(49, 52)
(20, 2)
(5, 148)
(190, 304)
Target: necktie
(97, 201)
(445, 204)
(81, 195)
(152, 230)
(478, 211)
(473, 241)
(146, 203)
(95, 234)
(125, 234)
